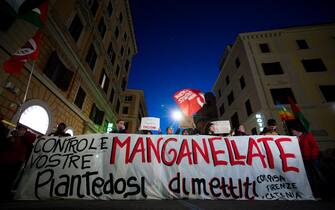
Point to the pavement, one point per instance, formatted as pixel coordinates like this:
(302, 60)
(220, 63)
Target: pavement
(167, 204)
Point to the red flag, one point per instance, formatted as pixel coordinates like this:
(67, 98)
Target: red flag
(294, 107)
(189, 100)
(29, 51)
(299, 115)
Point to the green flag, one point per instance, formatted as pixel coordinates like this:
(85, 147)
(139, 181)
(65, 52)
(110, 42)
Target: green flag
(298, 114)
(37, 16)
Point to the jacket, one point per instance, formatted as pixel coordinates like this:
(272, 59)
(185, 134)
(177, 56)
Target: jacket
(308, 146)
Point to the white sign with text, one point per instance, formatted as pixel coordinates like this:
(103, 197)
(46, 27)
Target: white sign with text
(150, 123)
(222, 126)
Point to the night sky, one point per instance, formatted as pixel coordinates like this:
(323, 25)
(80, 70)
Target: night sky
(180, 42)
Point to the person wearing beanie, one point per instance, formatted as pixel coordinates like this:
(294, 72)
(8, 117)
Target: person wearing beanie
(310, 151)
(308, 145)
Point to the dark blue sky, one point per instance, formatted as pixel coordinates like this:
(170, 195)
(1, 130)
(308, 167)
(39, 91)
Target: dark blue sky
(180, 42)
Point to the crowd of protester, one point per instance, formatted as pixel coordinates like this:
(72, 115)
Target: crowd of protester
(16, 145)
(15, 148)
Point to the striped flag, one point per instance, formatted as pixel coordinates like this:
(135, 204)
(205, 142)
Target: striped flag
(284, 114)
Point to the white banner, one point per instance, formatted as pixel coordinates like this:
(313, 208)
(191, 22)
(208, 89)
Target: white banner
(122, 166)
(150, 123)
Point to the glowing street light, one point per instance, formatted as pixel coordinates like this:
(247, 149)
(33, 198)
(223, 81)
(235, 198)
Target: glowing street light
(177, 115)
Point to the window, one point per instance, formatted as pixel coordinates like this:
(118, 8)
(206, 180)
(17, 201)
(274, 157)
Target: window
(124, 84)
(125, 110)
(219, 93)
(35, 116)
(117, 108)
(328, 92)
(91, 57)
(254, 131)
(128, 98)
(117, 70)
(126, 65)
(56, 71)
(272, 68)
(302, 44)
(76, 28)
(264, 48)
(237, 62)
(281, 95)
(227, 80)
(248, 107)
(122, 51)
(104, 81)
(93, 5)
(111, 53)
(110, 9)
(230, 98)
(110, 50)
(234, 121)
(96, 115)
(221, 109)
(69, 131)
(116, 33)
(113, 58)
(314, 65)
(102, 27)
(125, 36)
(242, 82)
(80, 97)
(111, 98)
(120, 17)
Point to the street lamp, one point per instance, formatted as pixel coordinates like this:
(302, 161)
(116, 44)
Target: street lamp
(177, 115)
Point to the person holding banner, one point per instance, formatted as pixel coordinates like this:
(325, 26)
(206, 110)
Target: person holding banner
(240, 131)
(60, 131)
(271, 128)
(169, 131)
(120, 127)
(12, 158)
(185, 132)
(211, 129)
(146, 132)
(206, 114)
(310, 152)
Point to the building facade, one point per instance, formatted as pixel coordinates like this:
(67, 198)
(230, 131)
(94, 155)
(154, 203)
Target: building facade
(82, 70)
(262, 69)
(133, 109)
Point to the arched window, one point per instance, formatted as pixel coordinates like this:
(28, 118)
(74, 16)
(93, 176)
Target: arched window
(69, 131)
(35, 115)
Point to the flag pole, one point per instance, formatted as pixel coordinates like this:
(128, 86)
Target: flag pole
(28, 84)
(25, 93)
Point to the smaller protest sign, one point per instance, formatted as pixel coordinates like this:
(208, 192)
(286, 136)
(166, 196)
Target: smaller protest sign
(222, 126)
(150, 123)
